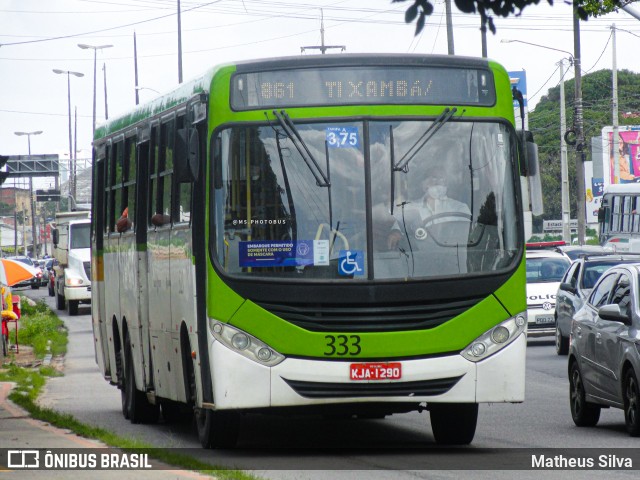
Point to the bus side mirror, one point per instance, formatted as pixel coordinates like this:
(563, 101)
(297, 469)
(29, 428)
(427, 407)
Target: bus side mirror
(529, 167)
(600, 215)
(187, 155)
(55, 236)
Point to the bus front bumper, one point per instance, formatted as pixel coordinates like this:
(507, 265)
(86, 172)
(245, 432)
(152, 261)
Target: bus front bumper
(245, 384)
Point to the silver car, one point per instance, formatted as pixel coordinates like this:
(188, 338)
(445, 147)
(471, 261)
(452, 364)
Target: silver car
(576, 286)
(604, 352)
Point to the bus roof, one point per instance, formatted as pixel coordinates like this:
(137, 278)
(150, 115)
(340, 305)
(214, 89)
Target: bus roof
(622, 188)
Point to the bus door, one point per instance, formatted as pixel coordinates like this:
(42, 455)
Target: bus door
(98, 314)
(158, 256)
(183, 289)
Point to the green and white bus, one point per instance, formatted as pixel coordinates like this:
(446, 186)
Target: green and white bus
(261, 243)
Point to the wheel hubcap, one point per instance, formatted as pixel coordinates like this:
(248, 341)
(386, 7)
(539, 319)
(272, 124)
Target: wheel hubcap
(632, 400)
(576, 392)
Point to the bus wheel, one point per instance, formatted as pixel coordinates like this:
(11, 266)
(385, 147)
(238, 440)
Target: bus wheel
(454, 423)
(138, 408)
(217, 429)
(60, 303)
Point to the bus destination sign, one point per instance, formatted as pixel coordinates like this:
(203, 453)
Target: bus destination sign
(362, 85)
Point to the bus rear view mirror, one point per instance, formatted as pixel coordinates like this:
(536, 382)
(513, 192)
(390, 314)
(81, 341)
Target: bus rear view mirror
(187, 155)
(600, 215)
(55, 236)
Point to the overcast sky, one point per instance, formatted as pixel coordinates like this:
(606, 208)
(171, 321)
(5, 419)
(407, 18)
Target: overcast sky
(40, 35)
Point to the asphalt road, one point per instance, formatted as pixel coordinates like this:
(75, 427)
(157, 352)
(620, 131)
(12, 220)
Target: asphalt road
(399, 447)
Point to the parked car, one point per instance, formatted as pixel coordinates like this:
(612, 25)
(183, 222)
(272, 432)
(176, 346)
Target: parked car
(576, 286)
(34, 282)
(545, 269)
(45, 273)
(575, 251)
(604, 356)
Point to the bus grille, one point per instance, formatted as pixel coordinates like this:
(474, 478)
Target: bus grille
(397, 389)
(369, 318)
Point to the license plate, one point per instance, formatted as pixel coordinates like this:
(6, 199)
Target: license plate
(545, 319)
(376, 371)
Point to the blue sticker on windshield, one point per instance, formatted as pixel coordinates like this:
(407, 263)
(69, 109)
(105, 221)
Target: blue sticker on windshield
(342, 137)
(276, 254)
(351, 262)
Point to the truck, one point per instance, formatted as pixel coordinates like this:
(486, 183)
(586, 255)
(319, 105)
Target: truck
(71, 234)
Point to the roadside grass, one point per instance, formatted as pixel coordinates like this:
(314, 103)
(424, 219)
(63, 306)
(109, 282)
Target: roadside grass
(41, 328)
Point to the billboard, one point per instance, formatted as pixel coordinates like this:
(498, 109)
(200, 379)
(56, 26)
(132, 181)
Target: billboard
(627, 155)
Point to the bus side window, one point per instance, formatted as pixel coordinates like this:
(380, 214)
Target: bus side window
(165, 171)
(635, 216)
(154, 155)
(615, 213)
(129, 180)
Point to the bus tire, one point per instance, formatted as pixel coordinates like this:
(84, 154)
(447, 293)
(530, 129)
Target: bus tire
(454, 423)
(60, 302)
(217, 429)
(73, 307)
(139, 410)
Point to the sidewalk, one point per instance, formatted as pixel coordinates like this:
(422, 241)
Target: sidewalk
(19, 431)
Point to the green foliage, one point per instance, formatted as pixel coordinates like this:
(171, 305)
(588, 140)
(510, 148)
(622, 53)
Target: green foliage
(544, 122)
(42, 329)
(29, 381)
(420, 9)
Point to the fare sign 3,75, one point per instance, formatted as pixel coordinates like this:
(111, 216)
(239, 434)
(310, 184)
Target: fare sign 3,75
(375, 371)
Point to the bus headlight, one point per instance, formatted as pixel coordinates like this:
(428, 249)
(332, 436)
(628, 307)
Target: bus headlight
(495, 339)
(246, 345)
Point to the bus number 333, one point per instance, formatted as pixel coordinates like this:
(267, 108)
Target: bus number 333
(342, 345)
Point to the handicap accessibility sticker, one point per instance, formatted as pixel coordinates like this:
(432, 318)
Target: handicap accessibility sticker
(351, 262)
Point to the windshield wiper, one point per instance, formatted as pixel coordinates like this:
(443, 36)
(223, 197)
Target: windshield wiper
(294, 135)
(437, 124)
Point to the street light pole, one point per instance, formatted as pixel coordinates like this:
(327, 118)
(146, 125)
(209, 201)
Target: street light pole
(95, 49)
(71, 166)
(32, 204)
(564, 170)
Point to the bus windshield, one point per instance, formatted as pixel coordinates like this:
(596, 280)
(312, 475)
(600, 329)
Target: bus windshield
(357, 212)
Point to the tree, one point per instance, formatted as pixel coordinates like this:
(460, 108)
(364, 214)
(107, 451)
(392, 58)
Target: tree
(503, 8)
(544, 122)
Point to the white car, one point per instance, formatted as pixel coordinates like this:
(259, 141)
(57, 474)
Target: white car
(545, 269)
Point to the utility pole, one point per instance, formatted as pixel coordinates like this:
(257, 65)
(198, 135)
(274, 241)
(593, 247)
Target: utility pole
(483, 35)
(179, 47)
(135, 67)
(447, 9)
(322, 47)
(614, 103)
(579, 128)
(106, 109)
(564, 169)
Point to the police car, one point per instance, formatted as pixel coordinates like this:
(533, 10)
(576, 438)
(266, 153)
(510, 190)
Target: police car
(545, 269)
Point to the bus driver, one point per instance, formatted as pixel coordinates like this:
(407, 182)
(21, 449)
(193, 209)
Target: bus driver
(434, 203)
